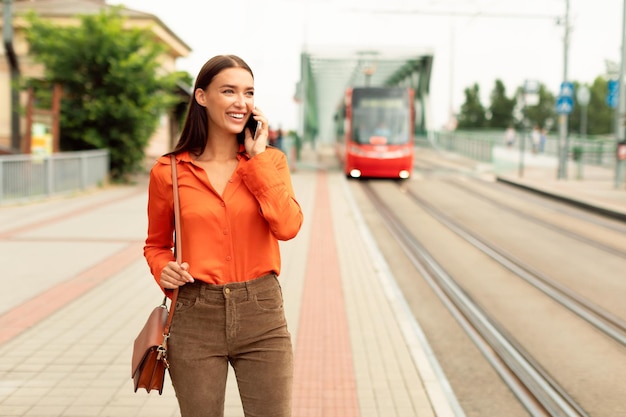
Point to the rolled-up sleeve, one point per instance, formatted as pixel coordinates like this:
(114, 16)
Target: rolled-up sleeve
(268, 178)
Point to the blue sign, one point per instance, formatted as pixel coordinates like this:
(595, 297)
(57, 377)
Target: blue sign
(564, 105)
(612, 96)
(567, 89)
(565, 100)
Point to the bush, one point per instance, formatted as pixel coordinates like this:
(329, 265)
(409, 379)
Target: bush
(113, 96)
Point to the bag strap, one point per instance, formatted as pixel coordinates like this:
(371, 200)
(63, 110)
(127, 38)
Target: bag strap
(177, 250)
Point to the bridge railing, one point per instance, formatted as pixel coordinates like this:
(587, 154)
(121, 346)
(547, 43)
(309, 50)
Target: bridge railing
(27, 177)
(479, 145)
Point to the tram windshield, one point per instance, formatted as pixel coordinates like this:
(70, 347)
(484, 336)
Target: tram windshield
(381, 116)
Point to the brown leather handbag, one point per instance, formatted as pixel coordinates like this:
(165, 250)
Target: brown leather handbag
(149, 361)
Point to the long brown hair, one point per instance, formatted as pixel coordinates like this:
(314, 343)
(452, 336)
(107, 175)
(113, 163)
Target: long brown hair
(196, 128)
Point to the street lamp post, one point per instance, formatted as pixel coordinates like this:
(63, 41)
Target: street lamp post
(529, 97)
(621, 108)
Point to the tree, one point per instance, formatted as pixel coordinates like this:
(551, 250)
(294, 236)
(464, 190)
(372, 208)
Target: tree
(113, 95)
(501, 107)
(504, 111)
(472, 115)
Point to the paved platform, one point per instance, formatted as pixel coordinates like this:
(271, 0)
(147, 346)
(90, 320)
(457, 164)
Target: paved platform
(589, 186)
(78, 290)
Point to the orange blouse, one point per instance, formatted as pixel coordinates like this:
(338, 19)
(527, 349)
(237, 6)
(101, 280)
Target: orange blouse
(227, 238)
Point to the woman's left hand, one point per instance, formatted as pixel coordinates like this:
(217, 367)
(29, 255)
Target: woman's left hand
(258, 145)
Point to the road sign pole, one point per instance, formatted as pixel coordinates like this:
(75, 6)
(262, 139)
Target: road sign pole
(563, 139)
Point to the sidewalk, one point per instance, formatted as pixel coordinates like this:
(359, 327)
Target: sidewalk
(587, 186)
(79, 291)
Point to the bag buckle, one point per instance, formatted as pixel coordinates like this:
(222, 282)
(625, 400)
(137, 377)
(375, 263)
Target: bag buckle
(162, 351)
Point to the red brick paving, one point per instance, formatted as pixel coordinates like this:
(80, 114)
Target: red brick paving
(20, 318)
(324, 382)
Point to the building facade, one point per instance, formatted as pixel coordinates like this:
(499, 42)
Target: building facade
(14, 57)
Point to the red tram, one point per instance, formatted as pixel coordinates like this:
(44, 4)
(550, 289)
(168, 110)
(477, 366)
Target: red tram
(375, 132)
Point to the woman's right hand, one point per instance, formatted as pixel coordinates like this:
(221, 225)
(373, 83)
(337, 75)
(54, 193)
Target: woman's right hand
(175, 275)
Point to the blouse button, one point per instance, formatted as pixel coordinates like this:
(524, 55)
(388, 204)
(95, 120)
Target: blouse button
(228, 258)
(222, 204)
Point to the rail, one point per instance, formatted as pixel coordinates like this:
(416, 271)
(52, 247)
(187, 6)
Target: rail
(530, 383)
(27, 177)
(479, 145)
(475, 146)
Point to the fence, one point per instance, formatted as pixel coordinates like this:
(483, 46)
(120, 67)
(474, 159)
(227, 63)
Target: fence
(478, 145)
(474, 145)
(26, 177)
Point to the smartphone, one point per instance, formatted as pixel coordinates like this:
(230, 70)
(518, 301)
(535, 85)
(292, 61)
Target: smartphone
(254, 127)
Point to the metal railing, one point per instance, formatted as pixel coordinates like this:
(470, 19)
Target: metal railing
(478, 145)
(27, 177)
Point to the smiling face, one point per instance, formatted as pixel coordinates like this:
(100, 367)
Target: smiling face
(229, 100)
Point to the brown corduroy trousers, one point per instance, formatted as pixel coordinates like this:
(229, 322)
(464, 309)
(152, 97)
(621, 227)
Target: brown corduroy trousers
(242, 324)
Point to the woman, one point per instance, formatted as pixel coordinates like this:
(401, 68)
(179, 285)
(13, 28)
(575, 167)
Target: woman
(236, 202)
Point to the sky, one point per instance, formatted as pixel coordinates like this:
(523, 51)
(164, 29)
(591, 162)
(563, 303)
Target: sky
(473, 41)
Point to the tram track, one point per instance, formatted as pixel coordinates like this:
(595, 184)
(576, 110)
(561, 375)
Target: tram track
(539, 394)
(563, 252)
(603, 320)
(613, 250)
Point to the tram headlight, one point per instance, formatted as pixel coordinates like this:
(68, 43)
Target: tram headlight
(404, 174)
(355, 173)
